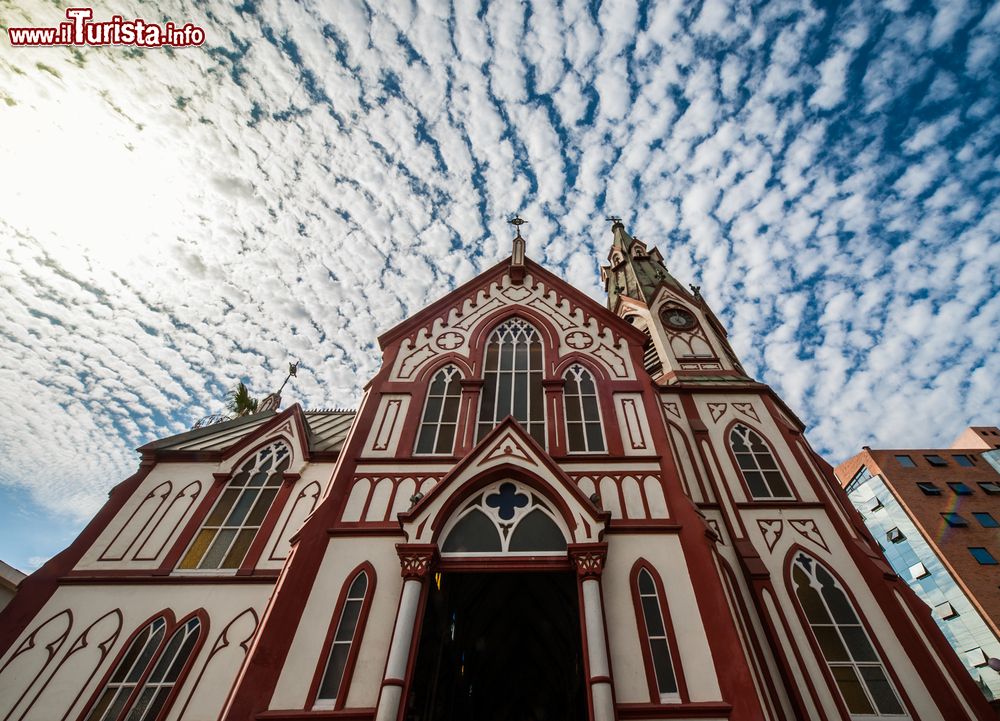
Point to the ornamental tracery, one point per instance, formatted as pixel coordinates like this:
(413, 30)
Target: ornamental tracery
(452, 331)
(506, 518)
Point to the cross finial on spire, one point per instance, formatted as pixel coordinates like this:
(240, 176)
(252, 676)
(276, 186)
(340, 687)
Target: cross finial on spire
(517, 221)
(613, 219)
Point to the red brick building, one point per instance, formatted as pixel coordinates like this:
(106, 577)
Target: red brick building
(936, 514)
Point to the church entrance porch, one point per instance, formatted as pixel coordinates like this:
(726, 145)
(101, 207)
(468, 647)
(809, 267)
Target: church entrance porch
(500, 646)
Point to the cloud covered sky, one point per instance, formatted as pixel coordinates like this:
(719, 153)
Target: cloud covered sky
(174, 221)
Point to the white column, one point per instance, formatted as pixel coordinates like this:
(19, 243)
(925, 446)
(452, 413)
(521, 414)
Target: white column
(589, 564)
(416, 561)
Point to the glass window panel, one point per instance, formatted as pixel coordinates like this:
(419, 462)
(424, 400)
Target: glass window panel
(136, 647)
(587, 384)
(857, 641)
(737, 442)
(450, 411)
(178, 665)
(425, 443)
(239, 548)
(595, 441)
(438, 385)
(536, 356)
(829, 641)
(433, 411)
(219, 548)
(537, 532)
(590, 408)
(537, 414)
(242, 507)
(168, 655)
(576, 437)
(881, 690)
(198, 548)
(651, 612)
(334, 671)
(473, 533)
(359, 586)
(491, 355)
(521, 397)
(261, 507)
(812, 604)
(573, 409)
(348, 621)
(222, 508)
(756, 483)
(776, 483)
(905, 462)
(537, 431)
(840, 607)
(850, 688)
(102, 705)
(242, 477)
(506, 357)
(140, 705)
(646, 585)
(986, 520)
(767, 462)
(489, 398)
(661, 664)
(521, 357)
(572, 388)
(446, 439)
(257, 479)
(157, 704)
(143, 659)
(503, 397)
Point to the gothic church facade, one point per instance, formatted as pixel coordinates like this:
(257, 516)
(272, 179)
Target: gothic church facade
(542, 509)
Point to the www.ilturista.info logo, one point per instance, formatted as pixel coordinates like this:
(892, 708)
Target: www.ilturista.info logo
(81, 30)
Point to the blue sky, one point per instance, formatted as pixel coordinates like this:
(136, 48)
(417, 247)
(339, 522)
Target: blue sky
(174, 221)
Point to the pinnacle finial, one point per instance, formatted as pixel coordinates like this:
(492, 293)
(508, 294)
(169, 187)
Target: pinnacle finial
(614, 220)
(695, 290)
(517, 221)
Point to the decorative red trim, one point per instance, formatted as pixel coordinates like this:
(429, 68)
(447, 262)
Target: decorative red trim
(52, 649)
(416, 560)
(691, 709)
(153, 494)
(195, 489)
(303, 494)
(356, 640)
(222, 641)
(647, 655)
(347, 714)
(142, 576)
(588, 558)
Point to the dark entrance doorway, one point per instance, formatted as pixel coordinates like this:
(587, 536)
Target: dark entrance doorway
(500, 647)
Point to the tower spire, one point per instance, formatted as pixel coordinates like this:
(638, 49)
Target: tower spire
(634, 270)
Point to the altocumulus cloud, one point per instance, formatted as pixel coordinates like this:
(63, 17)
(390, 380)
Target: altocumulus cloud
(172, 221)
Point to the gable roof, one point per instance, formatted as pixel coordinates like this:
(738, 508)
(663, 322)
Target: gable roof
(440, 307)
(326, 431)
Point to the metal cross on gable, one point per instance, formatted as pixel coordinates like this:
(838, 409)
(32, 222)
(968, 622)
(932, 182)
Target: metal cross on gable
(517, 221)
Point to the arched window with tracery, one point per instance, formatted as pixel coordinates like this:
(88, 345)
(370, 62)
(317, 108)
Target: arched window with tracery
(229, 530)
(583, 416)
(146, 673)
(342, 645)
(654, 630)
(854, 663)
(440, 419)
(757, 464)
(512, 374)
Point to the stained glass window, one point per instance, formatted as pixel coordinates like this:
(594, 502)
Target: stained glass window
(583, 417)
(656, 636)
(343, 639)
(506, 518)
(437, 429)
(854, 663)
(231, 527)
(146, 673)
(757, 464)
(512, 374)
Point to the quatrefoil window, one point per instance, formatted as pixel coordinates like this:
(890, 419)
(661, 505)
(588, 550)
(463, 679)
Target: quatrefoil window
(504, 518)
(506, 500)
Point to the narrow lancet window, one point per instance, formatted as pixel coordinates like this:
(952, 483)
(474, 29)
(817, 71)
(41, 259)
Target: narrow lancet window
(343, 639)
(655, 631)
(853, 661)
(437, 429)
(583, 417)
(757, 464)
(227, 533)
(513, 380)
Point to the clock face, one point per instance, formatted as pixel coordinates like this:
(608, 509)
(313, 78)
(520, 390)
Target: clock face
(678, 318)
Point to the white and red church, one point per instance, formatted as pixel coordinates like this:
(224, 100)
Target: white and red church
(543, 510)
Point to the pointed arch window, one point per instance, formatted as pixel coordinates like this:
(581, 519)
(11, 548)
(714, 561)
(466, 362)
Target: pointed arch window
(583, 416)
(512, 372)
(437, 429)
(229, 530)
(757, 464)
(654, 631)
(145, 675)
(343, 643)
(853, 661)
